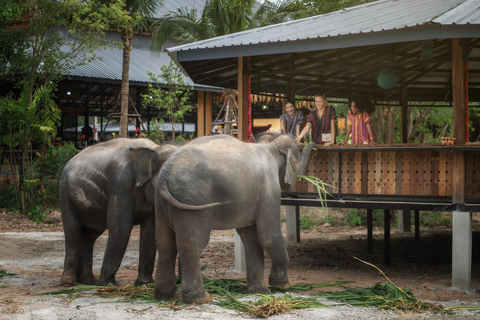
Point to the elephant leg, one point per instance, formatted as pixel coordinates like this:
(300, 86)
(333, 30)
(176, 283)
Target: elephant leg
(73, 246)
(271, 239)
(165, 286)
(190, 246)
(85, 274)
(147, 251)
(118, 237)
(255, 261)
(73, 242)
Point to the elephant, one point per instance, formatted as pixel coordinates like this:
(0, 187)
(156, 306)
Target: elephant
(110, 186)
(219, 182)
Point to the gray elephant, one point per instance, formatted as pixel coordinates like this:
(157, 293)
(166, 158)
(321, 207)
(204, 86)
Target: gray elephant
(110, 186)
(219, 182)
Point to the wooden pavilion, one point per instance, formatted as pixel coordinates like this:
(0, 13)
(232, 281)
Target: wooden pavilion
(433, 49)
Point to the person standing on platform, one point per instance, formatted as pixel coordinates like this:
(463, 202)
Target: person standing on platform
(321, 122)
(292, 120)
(360, 122)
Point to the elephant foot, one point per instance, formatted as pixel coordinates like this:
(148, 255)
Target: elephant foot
(197, 298)
(258, 289)
(142, 281)
(87, 279)
(107, 282)
(278, 279)
(160, 295)
(68, 279)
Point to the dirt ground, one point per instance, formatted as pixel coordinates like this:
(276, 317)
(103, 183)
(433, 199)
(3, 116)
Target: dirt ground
(35, 254)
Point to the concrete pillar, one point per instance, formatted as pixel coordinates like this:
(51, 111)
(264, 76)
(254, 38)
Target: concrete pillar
(462, 250)
(292, 215)
(240, 262)
(404, 221)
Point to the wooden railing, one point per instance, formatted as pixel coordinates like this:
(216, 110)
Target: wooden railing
(399, 170)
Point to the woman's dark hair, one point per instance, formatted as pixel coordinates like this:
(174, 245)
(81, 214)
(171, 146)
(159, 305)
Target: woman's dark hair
(362, 104)
(289, 101)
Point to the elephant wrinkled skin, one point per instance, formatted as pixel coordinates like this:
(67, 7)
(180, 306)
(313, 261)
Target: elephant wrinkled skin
(110, 186)
(219, 182)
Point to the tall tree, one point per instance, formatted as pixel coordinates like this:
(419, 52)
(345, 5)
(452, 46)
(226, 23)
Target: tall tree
(139, 13)
(218, 18)
(50, 38)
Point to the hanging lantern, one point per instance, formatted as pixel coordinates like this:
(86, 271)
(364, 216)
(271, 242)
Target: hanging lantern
(387, 80)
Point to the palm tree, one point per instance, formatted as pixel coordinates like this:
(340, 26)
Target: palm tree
(140, 12)
(220, 17)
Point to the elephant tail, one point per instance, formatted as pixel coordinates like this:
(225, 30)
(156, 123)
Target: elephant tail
(174, 202)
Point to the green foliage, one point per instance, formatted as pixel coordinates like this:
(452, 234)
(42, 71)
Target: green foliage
(353, 218)
(4, 273)
(37, 214)
(169, 93)
(384, 296)
(434, 219)
(155, 133)
(56, 157)
(306, 222)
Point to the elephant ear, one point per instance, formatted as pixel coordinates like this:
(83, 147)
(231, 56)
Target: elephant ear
(145, 162)
(291, 167)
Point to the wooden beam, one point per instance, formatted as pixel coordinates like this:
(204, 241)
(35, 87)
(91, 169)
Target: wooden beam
(459, 118)
(201, 114)
(242, 100)
(208, 112)
(404, 114)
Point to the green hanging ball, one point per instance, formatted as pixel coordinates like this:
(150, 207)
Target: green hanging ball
(387, 80)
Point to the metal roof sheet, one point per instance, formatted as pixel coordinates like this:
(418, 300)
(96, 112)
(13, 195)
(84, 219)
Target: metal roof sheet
(383, 15)
(142, 61)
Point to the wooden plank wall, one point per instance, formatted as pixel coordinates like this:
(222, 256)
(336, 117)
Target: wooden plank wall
(419, 173)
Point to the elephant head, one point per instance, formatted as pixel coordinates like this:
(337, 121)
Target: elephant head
(291, 162)
(146, 163)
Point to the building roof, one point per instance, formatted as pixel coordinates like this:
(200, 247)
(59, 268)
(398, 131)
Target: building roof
(142, 61)
(343, 52)
(370, 18)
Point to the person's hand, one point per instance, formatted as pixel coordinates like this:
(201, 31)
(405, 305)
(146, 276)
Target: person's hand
(341, 144)
(372, 143)
(326, 144)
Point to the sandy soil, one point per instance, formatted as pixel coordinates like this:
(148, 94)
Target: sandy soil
(35, 254)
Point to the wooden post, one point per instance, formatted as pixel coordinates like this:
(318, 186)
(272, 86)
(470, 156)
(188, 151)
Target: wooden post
(458, 90)
(404, 102)
(242, 101)
(201, 114)
(208, 112)
(459, 126)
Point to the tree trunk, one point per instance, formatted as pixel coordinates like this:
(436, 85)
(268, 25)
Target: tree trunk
(127, 48)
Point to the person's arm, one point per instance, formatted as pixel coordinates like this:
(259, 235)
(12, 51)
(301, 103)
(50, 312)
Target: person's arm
(305, 130)
(283, 125)
(332, 133)
(370, 133)
(349, 130)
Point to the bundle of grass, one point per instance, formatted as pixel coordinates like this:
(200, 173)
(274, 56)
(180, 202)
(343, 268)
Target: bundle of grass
(4, 273)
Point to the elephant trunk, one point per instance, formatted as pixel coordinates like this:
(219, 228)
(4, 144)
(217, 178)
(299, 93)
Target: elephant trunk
(305, 157)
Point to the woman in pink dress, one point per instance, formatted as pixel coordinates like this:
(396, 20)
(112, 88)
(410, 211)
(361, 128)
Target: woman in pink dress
(360, 122)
